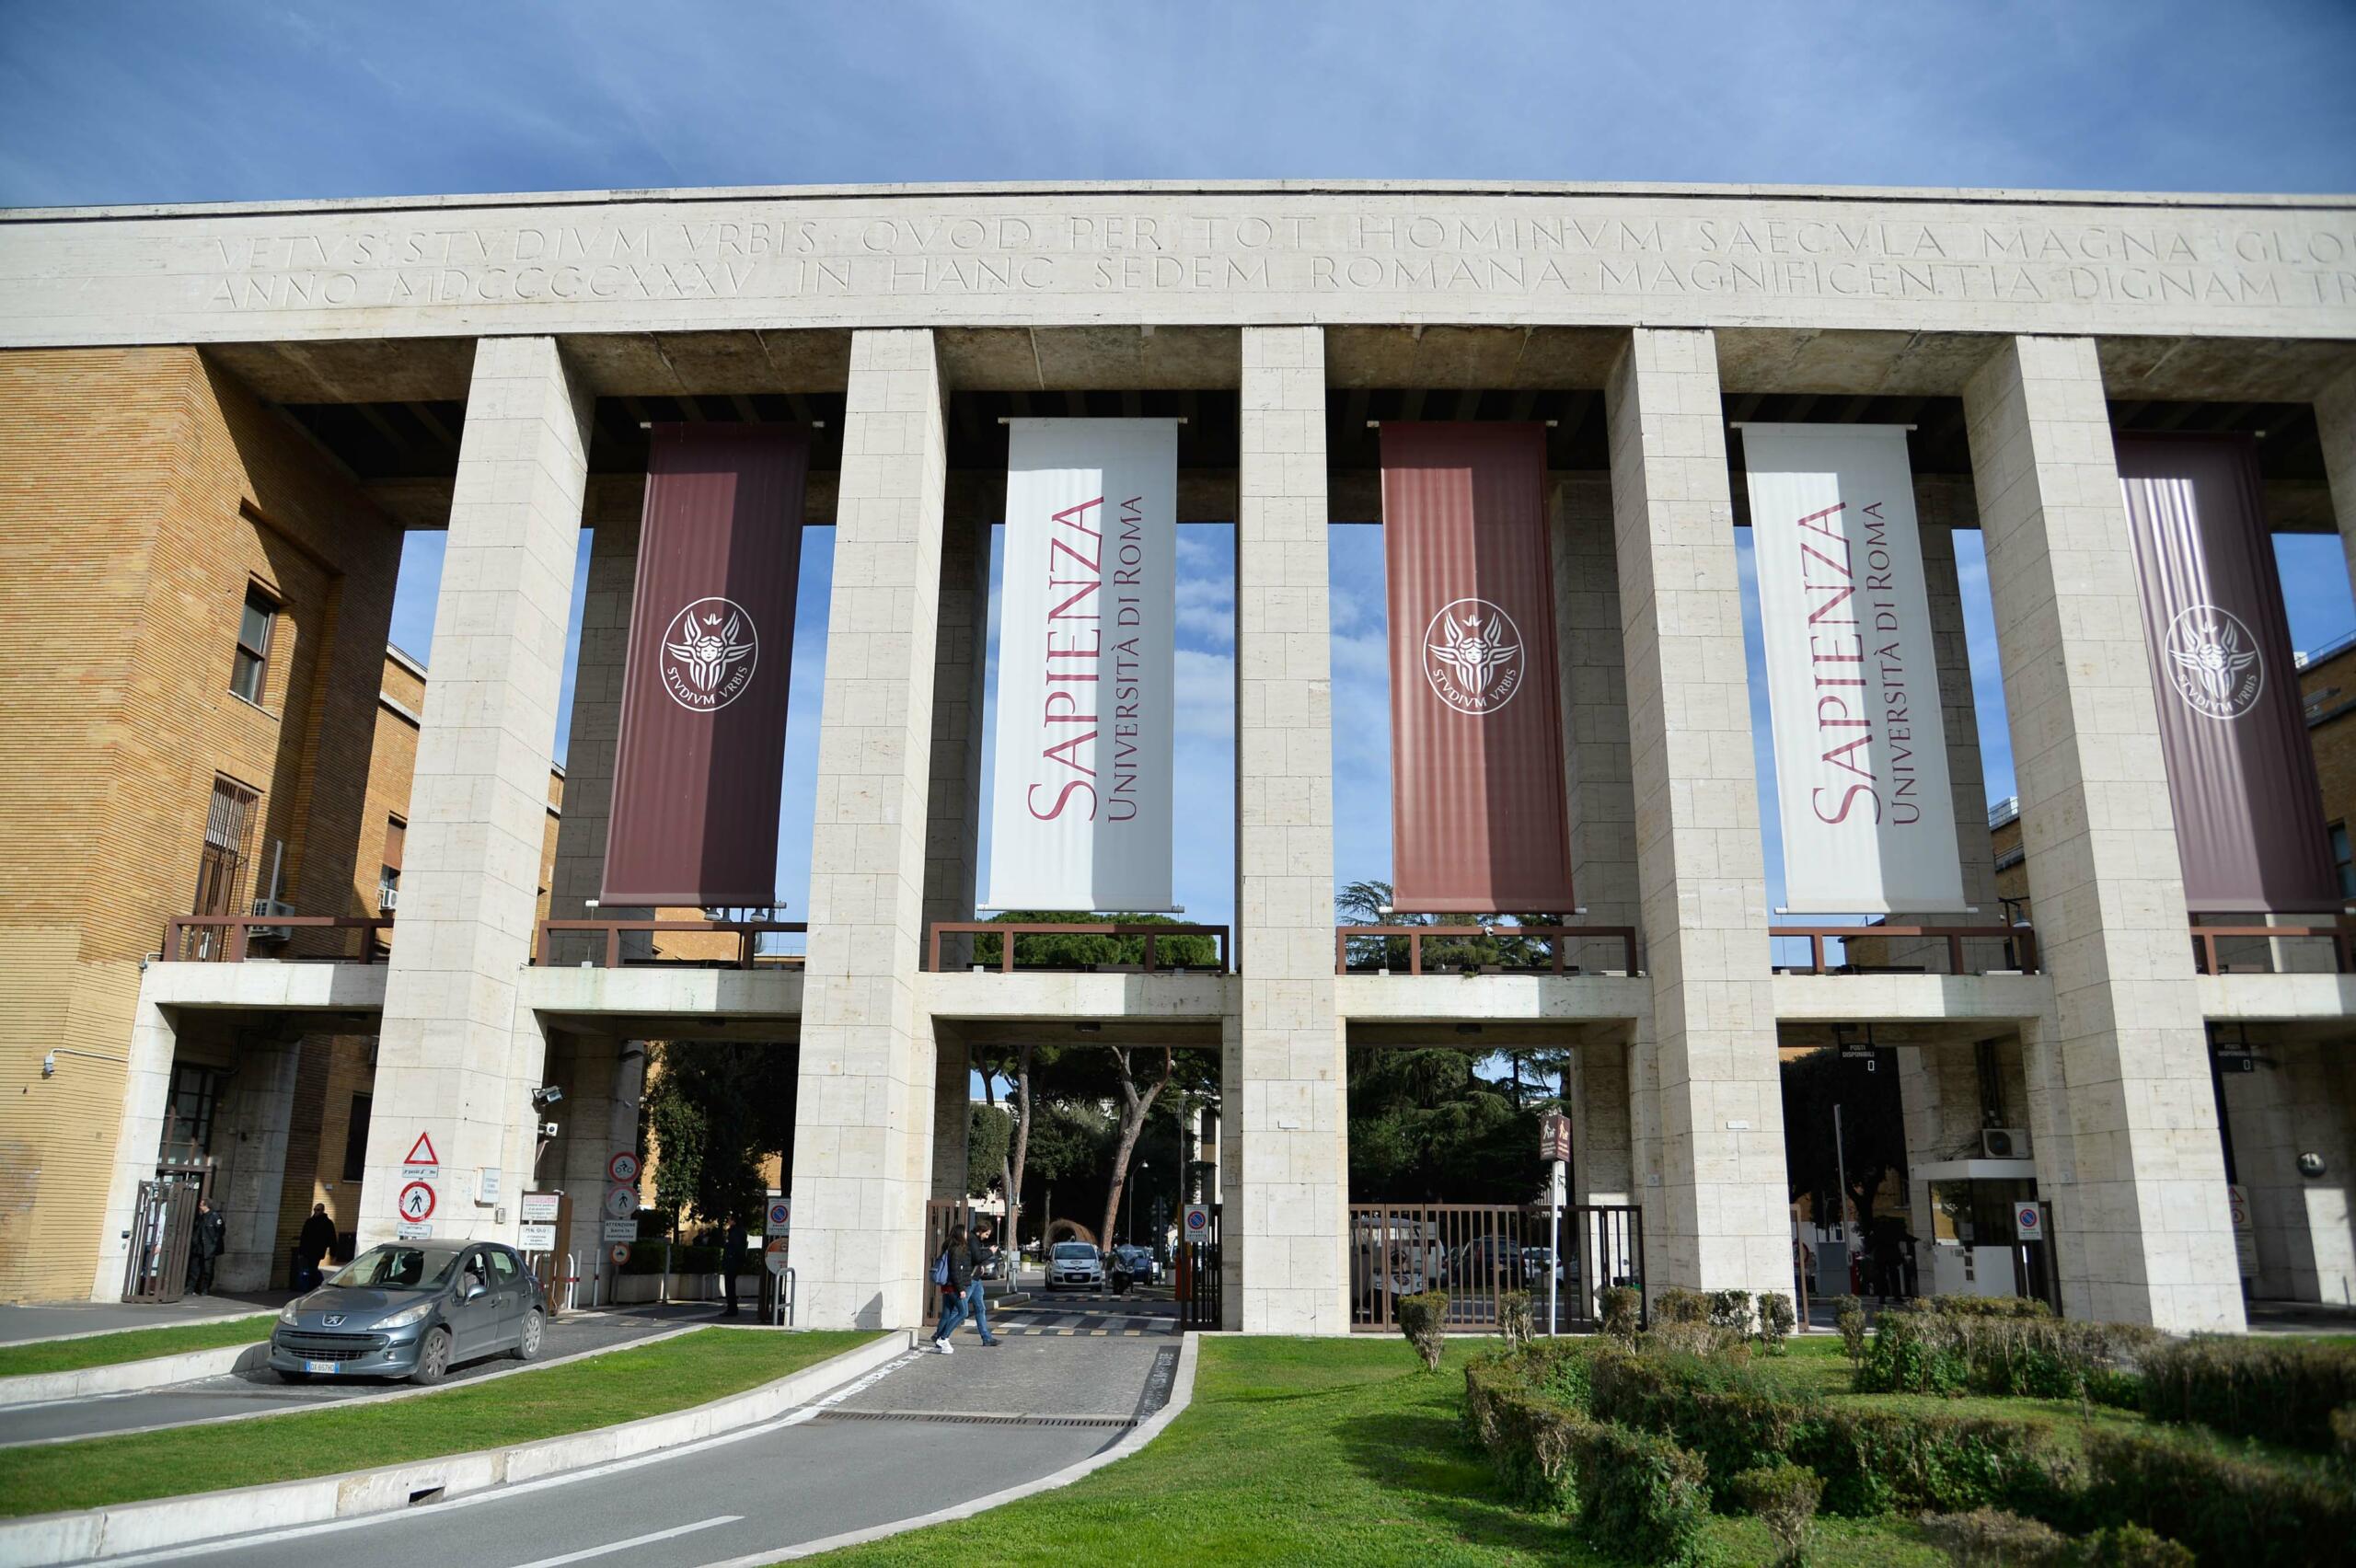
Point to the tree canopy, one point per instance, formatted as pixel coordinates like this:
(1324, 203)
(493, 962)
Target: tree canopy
(716, 1111)
(1425, 1128)
(1873, 1127)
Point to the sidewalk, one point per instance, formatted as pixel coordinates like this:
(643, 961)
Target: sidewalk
(60, 1320)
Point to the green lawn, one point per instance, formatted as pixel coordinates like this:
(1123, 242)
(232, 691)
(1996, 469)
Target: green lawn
(601, 1391)
(132, 1344)
(1342, 1451)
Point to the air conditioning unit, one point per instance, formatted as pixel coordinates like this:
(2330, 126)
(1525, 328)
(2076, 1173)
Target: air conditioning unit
(2004, 1143)
(389, 898)
(271, 933)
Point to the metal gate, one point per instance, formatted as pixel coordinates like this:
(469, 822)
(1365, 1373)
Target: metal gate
(941, 1216)
(162, 1222)
(1201, 1291)
(1476, 1252)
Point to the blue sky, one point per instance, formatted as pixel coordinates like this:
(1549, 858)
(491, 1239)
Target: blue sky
(107, 102)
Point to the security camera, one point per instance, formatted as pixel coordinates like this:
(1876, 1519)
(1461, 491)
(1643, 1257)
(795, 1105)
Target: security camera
(545, 1096)
(548, 1129)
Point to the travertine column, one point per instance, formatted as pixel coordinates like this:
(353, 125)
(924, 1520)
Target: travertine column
(2139, 1213)
(1609, 1112)
(1285, 1224)
(1724, 1205)
(455, 1060)
(2336, 426)
(862, 1150)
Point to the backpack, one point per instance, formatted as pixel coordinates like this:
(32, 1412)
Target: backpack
(941, 1268)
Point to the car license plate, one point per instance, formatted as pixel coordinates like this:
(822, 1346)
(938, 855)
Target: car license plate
(321, 1366)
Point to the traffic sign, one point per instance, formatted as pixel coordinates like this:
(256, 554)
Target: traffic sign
(618, 1251)
(405, 1231)
(2244, 1231)
(537, 1238)
(774, 1255)
(622, 1203)
(541, 1207)
(1199, 1222)
(623, 1167)
(779, 1220)
(417, 1201)
(421, 1163)
(620, 1230)
(1554, 1136)
(2028, 1220)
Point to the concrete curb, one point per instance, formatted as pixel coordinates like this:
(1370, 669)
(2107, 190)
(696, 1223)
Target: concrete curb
(382, 1396)
(131, 1377)
(1182, 1394)
(46, 1541)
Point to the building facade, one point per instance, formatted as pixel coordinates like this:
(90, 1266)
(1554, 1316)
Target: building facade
(486, 365)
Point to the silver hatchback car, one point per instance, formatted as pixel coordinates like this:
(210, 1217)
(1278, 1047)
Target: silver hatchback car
(412, 1309)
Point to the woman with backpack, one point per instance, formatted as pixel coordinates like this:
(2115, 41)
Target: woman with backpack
(952, 1272)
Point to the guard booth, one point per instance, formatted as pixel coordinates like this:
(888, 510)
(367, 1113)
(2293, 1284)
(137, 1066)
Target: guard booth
(1198, 1283)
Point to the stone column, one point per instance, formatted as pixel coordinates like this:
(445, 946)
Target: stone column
(456, 1060)
(1285, 1225)
(146, 1096)
(863, 1146)
(2335, 424)
(1723, 1200)
(2140, 1214)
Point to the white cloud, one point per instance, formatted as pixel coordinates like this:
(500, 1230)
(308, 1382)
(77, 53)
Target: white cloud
(1206, 608)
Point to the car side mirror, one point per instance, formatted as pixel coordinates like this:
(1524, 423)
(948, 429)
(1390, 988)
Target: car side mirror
(475, 1287)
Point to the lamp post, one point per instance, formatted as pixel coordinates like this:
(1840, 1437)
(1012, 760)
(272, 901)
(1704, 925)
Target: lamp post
(1129, 1225)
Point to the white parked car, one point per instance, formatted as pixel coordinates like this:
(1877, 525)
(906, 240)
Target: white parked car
(1075, 1265)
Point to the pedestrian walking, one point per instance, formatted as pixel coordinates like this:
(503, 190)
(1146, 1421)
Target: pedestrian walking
(731, 1263)
(982, 1249)
(952, 1272)
(312, 1245)
(205, 1247)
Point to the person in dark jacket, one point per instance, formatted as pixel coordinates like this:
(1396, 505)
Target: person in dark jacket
(952, 1272)
(312, 1245)
(981, 1250)
(731, 1263)
(205, 1247)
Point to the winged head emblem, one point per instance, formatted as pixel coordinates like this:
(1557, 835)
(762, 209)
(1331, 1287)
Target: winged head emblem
(2214, 655)
(1473, 648)
(710, 646)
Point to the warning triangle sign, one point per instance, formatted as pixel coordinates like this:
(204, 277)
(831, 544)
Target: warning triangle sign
(421, 1151)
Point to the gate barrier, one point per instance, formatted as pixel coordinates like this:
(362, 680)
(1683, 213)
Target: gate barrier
(1478, 1251)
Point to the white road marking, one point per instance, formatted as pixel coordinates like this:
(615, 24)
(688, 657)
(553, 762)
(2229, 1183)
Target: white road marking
(794, 1417)
(585, 1553)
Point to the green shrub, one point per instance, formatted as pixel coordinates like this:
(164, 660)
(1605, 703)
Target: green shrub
(1776, 1321)
(2226, 1509)
(2343, 1436)
(1531, 1440)
(1513, 1316)
(1874, 1462)
(2252, 1388)
(1675, 1304)
(1718, 1409)
(1990, 1537)
(1730, 1310)
(1849, 1317)
(2019, 1356)
(1422, 1317)
(1620, 1305)
(2129, 1546)
(1784, 1498)
(1989, 1306)
(1640, 1495)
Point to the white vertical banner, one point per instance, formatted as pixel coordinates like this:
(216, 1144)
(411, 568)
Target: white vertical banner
(1081, 806)
(1852, 680)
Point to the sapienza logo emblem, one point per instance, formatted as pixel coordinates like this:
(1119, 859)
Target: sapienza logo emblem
(709, 653)
(1473, 656)
(2213, 661)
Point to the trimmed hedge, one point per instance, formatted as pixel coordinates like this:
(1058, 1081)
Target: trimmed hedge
(2020, 1356)
(2226, 1509)
(2252, 1388)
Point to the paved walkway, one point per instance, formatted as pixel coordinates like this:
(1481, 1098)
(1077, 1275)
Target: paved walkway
(260, 1391)
(59, 1319)
(1099, 1315)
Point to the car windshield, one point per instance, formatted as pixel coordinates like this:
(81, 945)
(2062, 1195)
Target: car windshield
(1074, 1252)
(390, 1267)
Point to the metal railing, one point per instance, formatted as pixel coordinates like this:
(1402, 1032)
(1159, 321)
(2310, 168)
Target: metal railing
(1557, 939)
(2020, 945)
(2257, 941)
(224, 939)
(1009, 931)
(1478, 1251)
(748, 933)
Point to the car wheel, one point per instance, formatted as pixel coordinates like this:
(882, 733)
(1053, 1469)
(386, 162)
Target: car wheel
(432, 1358)
(294, 1376)
(527, 1348)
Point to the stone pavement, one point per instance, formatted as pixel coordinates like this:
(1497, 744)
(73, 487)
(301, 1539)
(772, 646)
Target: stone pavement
(1091, 1314)
(60, 1320)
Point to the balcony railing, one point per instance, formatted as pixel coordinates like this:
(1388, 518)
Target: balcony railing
(1151, 957)
(2258, 941)
(224, 939)
(1558, 941)
(748, 934)
(2020, 946)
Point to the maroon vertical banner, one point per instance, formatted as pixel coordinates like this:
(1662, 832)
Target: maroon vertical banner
(1478, 818)
(701, 757)
(2248, 811)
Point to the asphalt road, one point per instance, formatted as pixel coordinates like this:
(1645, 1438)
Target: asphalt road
(925, 1432)
(257, 1391)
